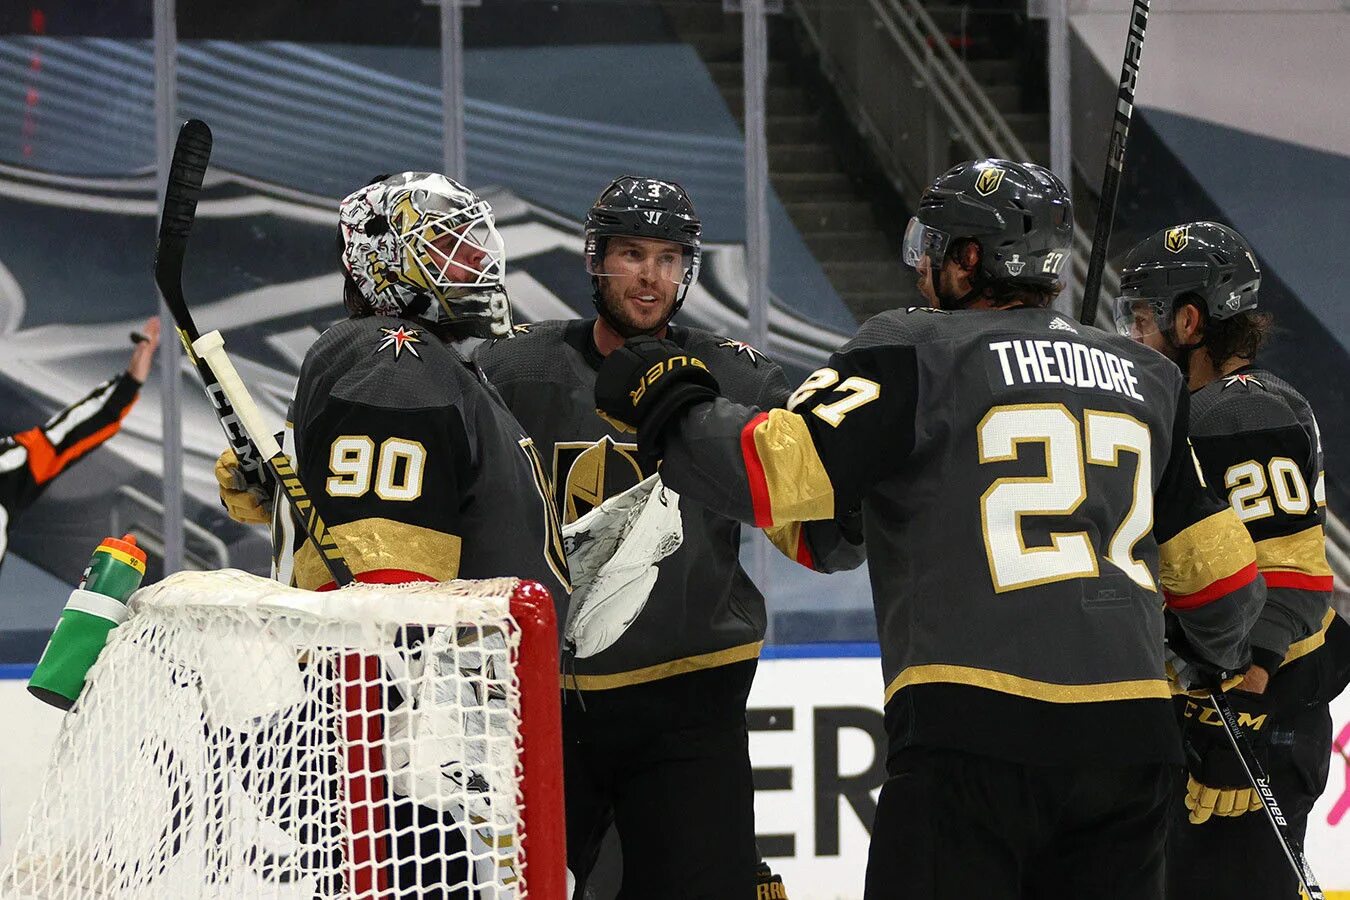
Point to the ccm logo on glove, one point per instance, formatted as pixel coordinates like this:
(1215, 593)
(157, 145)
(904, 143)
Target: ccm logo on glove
(1207, 716)
(664, 367)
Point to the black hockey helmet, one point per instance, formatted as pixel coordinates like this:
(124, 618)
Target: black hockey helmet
(1020, 213)
(633, 206)
(1205, 262)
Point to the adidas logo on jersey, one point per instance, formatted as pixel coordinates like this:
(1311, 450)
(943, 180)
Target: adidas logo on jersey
(1058, 324)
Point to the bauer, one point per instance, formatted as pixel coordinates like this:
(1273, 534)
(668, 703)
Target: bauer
(655, 739)
(1191, 293)
(420, 471)
(1030, 503)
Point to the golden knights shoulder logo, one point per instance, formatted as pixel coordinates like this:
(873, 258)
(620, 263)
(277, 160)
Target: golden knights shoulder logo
(739, 347)
(989, 180)
(1176, 239)
(401, 338)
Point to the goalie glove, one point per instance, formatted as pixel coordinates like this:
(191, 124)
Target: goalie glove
(612, 553)
(245, 503)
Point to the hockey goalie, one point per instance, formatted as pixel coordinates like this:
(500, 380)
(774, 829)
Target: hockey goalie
(296, 742)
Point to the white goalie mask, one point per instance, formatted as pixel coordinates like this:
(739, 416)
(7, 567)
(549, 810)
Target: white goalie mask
(422, 246)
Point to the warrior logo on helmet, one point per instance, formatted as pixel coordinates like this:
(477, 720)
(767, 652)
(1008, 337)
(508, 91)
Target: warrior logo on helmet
(988, 181)
(1177, 238)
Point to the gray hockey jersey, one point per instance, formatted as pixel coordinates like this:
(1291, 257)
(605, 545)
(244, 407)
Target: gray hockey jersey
(416, 465)
(703, 611)
(1030, 504)
(1258, 444)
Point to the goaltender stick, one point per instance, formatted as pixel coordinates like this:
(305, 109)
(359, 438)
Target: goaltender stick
(1030, 504)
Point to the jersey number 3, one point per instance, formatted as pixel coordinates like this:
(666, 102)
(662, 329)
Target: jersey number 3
(1059, 492)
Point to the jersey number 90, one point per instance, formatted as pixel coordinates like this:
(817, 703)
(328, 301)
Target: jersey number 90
(396, 469)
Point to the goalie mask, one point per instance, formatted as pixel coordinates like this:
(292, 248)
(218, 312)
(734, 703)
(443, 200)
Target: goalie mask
(421, 246)
(645, 208)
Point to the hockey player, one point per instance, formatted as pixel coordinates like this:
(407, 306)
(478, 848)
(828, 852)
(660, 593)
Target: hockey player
(423, 474)
(656, 738)
(1191, 292)
(30, 459)
(1029, 504)
(420, 471)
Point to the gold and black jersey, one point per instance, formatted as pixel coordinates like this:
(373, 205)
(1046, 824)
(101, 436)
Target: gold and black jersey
(1030, 505)
(418, 468)
(1258, 443)
(704, 611)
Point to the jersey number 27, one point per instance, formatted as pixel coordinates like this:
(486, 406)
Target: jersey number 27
(1070, 446)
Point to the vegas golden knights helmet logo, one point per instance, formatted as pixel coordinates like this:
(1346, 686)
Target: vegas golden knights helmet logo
(988, 181)
(1176, 239)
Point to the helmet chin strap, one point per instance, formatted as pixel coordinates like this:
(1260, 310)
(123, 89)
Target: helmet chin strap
(1181, 353)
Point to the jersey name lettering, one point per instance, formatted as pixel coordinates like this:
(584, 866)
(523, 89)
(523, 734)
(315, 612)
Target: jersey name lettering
(1029, 361)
